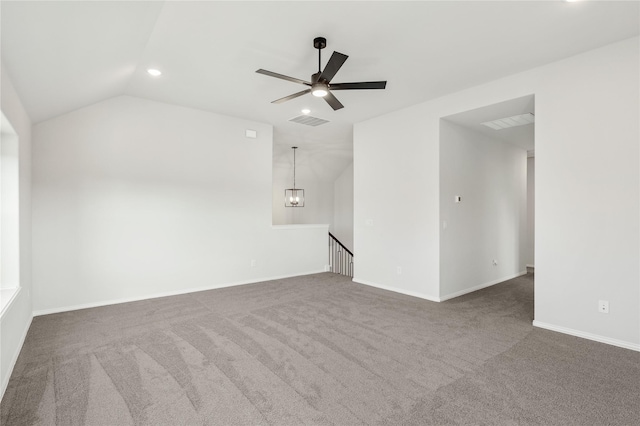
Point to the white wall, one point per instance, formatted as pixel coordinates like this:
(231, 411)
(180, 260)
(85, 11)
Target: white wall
(134, 199)
(16, 319)
(531, 212)
(587, 194)
(587, 191)
(489, 223)
(343, 207)
(396, 202)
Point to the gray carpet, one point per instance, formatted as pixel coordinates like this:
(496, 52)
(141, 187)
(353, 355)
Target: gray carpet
(317, 350)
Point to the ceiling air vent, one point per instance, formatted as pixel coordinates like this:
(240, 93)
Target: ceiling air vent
(308, 120)
(505, 123)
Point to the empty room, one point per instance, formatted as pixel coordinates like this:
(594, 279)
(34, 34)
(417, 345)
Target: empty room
(320, 212)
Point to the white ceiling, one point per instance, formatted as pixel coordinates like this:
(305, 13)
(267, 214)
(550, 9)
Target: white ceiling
(65, 55)
(522, 136)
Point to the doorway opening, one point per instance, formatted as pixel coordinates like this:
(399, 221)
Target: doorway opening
(487, 196)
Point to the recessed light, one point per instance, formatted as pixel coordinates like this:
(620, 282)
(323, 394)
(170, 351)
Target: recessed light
(306, 111)
(154, 72)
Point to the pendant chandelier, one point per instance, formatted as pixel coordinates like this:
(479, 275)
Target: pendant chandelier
(294, 197)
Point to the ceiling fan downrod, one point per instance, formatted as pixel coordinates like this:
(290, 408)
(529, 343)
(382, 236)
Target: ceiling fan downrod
(319, 43)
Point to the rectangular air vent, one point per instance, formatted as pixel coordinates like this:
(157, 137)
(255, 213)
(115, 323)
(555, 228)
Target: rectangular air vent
(505, 123)
(308, 120)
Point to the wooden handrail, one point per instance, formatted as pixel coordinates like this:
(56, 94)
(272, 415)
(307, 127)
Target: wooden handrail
(341, 245)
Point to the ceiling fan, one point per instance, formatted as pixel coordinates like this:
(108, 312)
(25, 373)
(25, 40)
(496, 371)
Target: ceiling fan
(320, 84)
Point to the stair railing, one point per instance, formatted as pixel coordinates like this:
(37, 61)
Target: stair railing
(340, 257)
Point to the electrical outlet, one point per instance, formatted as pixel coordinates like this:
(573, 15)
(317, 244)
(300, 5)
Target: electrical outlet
(253, 263)
(603, 306)
(495, 262)
(399, 270)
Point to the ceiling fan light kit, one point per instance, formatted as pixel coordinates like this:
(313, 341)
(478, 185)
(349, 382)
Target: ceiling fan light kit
(319, 90)
(320, 84)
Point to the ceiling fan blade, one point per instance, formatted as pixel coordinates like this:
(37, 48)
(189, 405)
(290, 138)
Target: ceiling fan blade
(295, 95)
(333, 101)
(332, 67)
(358, 86)
(283, 77)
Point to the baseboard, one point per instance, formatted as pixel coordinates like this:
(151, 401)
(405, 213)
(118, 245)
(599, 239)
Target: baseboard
(481, 286)
(166, 294)
(397, 290)
(14, 358)
(530, 266)
(589, 336)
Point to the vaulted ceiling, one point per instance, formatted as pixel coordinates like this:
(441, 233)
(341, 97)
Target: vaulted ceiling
(63, 56)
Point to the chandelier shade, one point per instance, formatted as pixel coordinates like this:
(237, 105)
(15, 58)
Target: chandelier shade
(294, 197)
